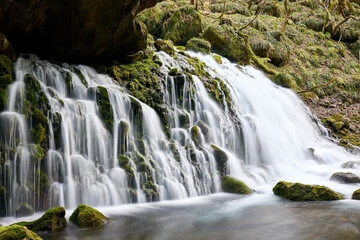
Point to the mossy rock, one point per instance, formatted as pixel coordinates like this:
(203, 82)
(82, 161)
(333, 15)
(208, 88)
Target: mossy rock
(274, 9)
(280, 54)
(337, 122)
(85, 217)
(285, 80)
(314, 23)
(52, 220)
(198, 45)
(24, 210)
(153, 19)
(105, 108)
(195, 135)
(6, 67)
(184, 24)
(218, 59)
(356, 195)
(166, 46)
(345, 177)
(221, 158)
(233, 185)
(6, 48)
(303, 192)
(355, 48)
(261, 47)
(16, 232)
(226, 42)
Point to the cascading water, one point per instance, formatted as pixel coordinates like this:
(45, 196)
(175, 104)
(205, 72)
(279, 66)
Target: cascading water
(71, 135)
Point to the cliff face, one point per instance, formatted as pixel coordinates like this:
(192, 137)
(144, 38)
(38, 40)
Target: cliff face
(84, 30)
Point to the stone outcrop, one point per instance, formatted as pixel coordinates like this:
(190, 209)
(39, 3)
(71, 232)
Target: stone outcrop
(75, 30)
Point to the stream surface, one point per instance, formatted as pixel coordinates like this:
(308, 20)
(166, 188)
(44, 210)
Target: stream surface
(223, 216)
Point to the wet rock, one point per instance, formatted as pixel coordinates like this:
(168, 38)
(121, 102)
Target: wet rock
(52, 220)
(76, 30)
(198, 45)
(351, 164)
(304, 192)
(15, 232)
(24, 210)
(221, 158)
(85, 216)
(345, 177)
(356, 195)
(233, 185)
(166, 46)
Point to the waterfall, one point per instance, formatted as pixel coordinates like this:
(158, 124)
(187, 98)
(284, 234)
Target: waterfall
(70, 135)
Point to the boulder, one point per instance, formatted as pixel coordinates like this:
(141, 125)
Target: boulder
(166, 46)
(85, 216)
(86, 31)
(233, 185)
(226, 42)
(356, 195)
(15, 232)
(24, 210)
(345, 177)
(304, 192)
(220, 157)
(184, 24)
(351, 164)
(198, 45)
(52, 220)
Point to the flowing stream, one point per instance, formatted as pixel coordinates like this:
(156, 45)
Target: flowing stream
(265, 131)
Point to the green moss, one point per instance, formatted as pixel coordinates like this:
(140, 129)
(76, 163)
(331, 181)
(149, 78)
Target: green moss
(153, 19)
(140, 146)
(173, 71)
(52, 220)
(233, 185)
(6, 66)
(198, 45)
(285, 80)
(356, 195)
(280, 54)
(180, 48)
(218, 59)
(105, 108)
(85, 216)
(226, 42)
(183, 24)
(304, 192)
(123, 160)
(261, 47)
(194, 133)
(220, 157)
(16, 232)
(166, 46)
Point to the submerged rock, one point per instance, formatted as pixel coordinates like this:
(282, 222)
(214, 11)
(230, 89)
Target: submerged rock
(345, 177)
(52, 220)
(24, 210)
(351, 164)
(85, 216)
(304, 192)
(233, 185)
(16, 232)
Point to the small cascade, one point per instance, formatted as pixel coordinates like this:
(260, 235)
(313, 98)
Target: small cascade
(71, 135)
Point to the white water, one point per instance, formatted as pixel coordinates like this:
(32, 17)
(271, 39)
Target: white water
(266, 135)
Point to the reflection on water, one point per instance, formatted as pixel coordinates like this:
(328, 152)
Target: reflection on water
(226, 216)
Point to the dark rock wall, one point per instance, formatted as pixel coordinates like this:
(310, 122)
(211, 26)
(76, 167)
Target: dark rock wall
(83, 30)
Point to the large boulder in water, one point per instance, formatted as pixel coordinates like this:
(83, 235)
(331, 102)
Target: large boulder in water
(85, 216)
(345, 177)
(81, 30)
(24, 210)
(356, 195)
(233, 185)
(304, 192)
(16, 232)
(52, 220)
